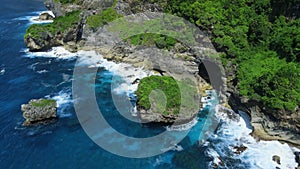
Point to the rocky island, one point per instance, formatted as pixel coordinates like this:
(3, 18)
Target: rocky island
(39, 111)
(249, 83)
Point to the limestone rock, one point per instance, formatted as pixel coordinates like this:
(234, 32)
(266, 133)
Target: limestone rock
(38, 111)
(46, 16)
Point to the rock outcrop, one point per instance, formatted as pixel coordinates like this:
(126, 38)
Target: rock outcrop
(39, 111)
(276, 159)
(47, 40)
(45, 16)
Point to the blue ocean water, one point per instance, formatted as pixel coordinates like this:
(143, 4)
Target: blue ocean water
(62, 144)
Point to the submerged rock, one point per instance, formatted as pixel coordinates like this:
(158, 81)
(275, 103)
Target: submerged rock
(39, 111)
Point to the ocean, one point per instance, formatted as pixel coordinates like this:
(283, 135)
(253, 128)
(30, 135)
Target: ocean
(65, 144)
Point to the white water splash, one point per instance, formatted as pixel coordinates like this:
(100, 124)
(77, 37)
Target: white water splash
(127, 72)
(55, 52)
(258, 154)
(63, 102)
(34, 19)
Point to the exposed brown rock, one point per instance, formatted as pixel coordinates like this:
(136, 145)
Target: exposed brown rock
(276, 158)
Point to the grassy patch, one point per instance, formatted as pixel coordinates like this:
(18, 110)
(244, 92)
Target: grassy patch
(151, 39)
(165, 95)
(44, 103)
(106, 16)
(60, 24)
(162, 33)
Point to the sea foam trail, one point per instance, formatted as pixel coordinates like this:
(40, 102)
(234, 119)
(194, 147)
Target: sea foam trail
(55, 52)
(63, 102)
(258, 154)
(34, 18)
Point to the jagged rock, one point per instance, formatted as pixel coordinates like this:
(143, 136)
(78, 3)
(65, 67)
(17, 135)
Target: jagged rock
(38, 44)
(46, 16)
(239, 149)
(38, 111)
(55, 7)
(148, 116)
(276, 158)
(46, 40)
(297, 158)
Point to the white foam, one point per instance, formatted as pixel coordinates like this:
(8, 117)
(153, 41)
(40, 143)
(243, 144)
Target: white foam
(2, 71)
(214, 155)
(42, 71)
(258, 153)
(55, 52)
(63, 101)
(127, 72)
(34, 19)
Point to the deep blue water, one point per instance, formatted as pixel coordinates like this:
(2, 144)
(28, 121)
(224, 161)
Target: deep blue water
(62, 144)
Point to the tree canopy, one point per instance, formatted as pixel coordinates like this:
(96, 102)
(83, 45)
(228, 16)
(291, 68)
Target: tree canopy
(261, 36)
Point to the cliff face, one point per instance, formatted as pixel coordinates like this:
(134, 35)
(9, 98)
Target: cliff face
(268, 124)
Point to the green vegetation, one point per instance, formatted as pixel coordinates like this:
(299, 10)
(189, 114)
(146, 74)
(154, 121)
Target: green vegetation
(106, 16)
(150, 39)
(155, 32)
(60, 24)
(165, 95)
(261, 36)
(271, 80)
(44, 103)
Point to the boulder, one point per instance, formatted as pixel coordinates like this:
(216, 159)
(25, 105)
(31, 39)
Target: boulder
(46, 16)
(39, 111)
(239, 149)
(276, 158)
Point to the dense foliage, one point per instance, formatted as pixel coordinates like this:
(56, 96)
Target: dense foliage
(163, 94)
(60, 24)
(261, 36)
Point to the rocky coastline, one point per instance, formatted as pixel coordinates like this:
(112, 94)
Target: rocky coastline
(284, 126)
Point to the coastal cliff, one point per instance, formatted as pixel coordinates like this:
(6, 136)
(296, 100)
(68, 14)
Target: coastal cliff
(179, 61)
(268, 124)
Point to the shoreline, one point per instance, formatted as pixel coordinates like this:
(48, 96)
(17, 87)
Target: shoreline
(260, 134)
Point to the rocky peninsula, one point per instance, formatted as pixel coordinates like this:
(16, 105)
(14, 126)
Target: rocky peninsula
(81, 26)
